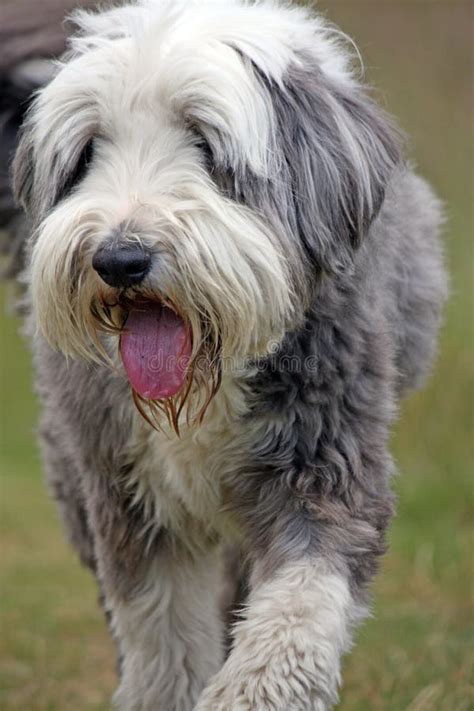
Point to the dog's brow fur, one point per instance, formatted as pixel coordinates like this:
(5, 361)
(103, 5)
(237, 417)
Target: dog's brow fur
(232, 141)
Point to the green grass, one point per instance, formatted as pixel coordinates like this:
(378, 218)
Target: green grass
(415, 653)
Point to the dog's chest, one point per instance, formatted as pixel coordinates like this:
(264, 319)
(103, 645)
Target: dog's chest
(185, 477)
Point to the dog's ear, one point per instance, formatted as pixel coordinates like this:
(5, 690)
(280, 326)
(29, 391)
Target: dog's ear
(338, 151)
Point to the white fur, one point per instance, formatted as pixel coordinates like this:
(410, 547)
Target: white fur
(183, 480)
(287, 649)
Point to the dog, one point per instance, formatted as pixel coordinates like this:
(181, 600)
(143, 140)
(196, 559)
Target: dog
(233, 276)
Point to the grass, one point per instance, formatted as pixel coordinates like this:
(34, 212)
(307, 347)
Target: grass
(415, 653)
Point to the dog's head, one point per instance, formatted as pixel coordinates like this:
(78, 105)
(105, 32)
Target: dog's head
(192, 170)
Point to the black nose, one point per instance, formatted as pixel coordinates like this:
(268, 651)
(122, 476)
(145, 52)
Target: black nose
(122, 266)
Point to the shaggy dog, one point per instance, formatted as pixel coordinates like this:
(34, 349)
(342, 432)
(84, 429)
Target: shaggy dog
(233, 276)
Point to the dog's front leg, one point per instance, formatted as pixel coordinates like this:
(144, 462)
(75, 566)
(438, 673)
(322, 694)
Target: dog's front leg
(286, 653)
(169, 633)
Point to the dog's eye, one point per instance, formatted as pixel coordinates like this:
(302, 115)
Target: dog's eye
(80, 169)
(206, 150)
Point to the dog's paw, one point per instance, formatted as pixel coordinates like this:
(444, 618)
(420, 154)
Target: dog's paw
(280, 685)
(236, 697)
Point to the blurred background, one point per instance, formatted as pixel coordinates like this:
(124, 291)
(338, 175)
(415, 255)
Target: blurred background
(415, 654)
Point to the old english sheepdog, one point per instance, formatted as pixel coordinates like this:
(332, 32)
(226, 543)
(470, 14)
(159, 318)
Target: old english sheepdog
(233, 276)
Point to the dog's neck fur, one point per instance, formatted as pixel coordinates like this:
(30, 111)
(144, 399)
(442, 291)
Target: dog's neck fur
(185, 475)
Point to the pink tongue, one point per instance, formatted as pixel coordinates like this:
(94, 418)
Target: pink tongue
(155, 348)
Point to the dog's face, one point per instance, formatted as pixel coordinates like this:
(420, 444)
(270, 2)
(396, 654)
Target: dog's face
(192, 170)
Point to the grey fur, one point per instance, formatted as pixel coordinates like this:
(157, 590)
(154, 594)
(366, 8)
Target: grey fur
(313, 479)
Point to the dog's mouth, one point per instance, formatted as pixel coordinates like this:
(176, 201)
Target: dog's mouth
(171, 366)
(156, 347)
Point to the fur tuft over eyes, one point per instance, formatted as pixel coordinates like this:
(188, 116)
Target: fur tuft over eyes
(36, 195)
